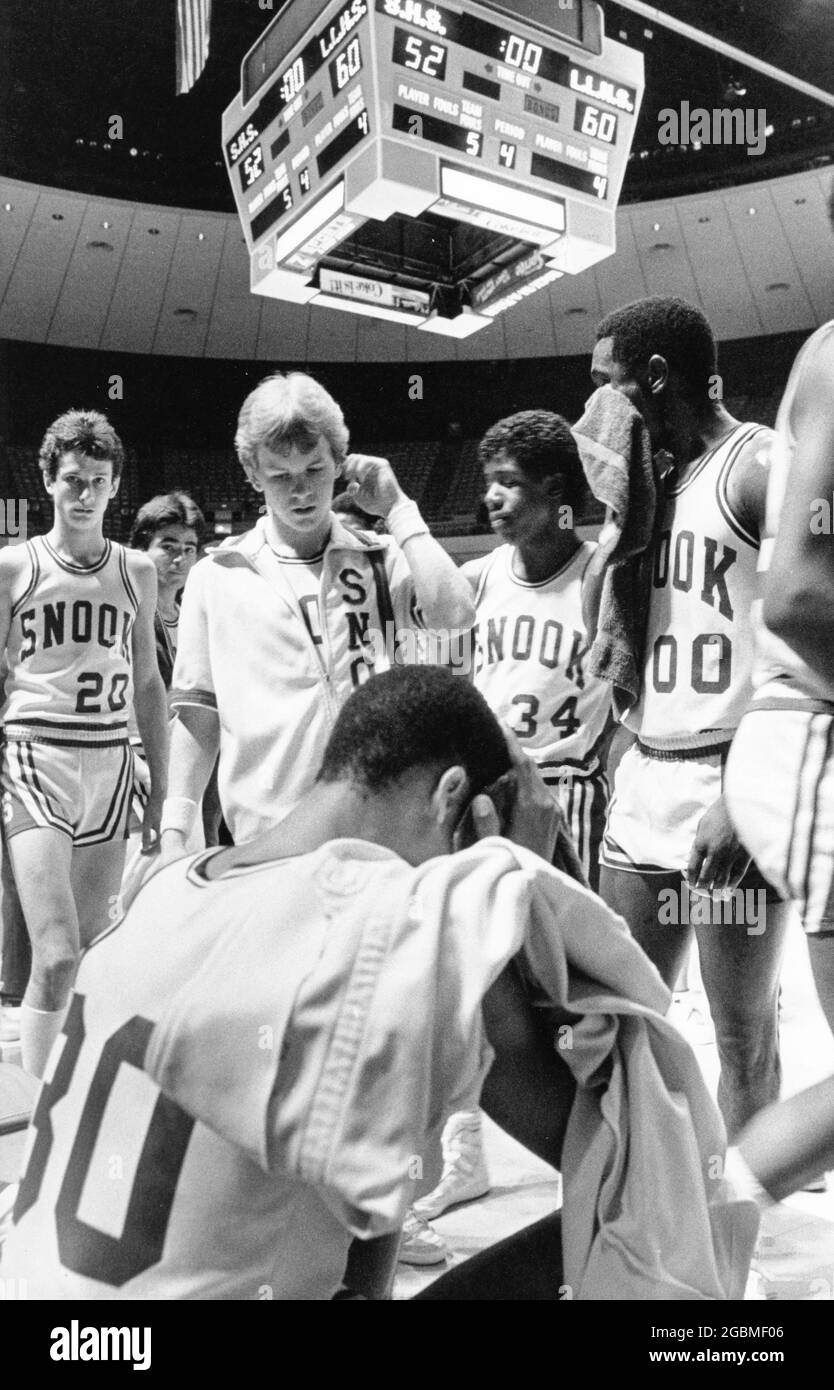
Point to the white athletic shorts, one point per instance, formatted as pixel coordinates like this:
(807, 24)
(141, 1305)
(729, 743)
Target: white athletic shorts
(779, 785)
(82, 789)
(657, 804)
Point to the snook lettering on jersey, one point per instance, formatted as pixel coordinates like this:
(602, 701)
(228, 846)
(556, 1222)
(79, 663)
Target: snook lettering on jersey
(530, 646)
(69, 645)
(364, 642)
(699, 645)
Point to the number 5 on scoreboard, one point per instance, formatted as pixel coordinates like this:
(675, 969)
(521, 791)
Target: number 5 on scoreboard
(474, 143)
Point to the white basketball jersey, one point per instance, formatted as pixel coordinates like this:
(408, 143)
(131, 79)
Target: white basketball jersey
(529, 661)
(699, 645)
(220, 1113)
(69, 644)
(779, 673)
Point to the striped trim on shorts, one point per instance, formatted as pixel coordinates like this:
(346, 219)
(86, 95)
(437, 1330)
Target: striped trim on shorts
(79, 787)
(583, 797)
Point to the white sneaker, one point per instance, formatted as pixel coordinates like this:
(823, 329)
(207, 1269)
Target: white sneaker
(690, 1014)
(465, 1176)
(420, 1244)
(10, 1023)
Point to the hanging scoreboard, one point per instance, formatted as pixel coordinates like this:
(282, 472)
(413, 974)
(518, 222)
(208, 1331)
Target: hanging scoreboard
(510, 121)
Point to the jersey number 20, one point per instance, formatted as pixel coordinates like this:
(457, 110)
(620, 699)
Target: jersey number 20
(91, 686)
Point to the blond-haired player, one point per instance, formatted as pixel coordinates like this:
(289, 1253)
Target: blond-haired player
(278, 626)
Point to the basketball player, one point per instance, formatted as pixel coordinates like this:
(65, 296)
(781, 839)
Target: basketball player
(529, 634)
(669, 835)
(169, 528)
(76, 624)
(279, 625)
(267, 1039)
(530, 641)
(780, 774)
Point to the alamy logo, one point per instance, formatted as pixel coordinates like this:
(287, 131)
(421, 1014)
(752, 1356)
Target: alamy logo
(722, 126)
(13, 513)
(77, 1343)
(740, 906)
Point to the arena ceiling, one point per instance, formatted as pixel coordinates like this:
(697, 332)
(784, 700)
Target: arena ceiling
(758, 260)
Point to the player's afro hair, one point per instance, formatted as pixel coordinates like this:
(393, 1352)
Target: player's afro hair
(87, 431)
(542, 445)
(411, 717)
(669, 327)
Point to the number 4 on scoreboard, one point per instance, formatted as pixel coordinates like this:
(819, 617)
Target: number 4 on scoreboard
(506, 154)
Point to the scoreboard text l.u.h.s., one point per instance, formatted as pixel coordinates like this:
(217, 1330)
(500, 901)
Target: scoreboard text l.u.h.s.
(515, 118)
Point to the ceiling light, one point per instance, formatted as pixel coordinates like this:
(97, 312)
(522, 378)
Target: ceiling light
(8, 207)
(106, 226)
(656, 227)
(734, 89)
(201, 236)
(800, 201)
(185, 313)
(153, 231)
(133, 152)
(662, 246)
(751, 212)
(99, 245)
(57, 217)
(704, 219)
(576, 311)
(777, 285)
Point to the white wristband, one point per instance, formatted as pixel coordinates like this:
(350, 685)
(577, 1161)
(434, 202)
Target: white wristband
(178, 813)
(404, 521)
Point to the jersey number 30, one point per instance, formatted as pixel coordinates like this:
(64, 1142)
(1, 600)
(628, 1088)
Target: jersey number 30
(83, 1248)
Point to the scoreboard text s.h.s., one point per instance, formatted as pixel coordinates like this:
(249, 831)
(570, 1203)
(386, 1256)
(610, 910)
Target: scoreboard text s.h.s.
(512, 121)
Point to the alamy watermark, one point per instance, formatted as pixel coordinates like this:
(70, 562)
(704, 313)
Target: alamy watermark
(78, 1342)
(13, 520)
(698, 126)
(683, 907)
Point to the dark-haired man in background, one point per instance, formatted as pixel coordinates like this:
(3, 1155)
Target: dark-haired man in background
(670, 851)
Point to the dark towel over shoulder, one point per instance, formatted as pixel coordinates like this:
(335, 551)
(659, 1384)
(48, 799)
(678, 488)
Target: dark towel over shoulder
(616, 454)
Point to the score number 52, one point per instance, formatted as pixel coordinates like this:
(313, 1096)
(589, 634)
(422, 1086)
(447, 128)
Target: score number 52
(428, 58)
